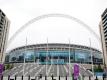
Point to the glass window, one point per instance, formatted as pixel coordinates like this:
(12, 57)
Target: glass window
(29, 56)
(82, 56)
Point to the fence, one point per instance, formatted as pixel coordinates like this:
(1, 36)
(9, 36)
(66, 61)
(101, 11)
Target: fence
(40, 77)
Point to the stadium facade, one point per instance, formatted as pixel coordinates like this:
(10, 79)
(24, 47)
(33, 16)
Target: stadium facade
(54, 53)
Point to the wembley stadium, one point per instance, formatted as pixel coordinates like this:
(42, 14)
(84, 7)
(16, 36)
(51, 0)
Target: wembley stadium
(54, 53)
(55, 59)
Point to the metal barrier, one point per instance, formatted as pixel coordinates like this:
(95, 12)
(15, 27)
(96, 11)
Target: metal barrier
(46, 78)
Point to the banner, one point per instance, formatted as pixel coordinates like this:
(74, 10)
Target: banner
(1, 69)
(76, 71)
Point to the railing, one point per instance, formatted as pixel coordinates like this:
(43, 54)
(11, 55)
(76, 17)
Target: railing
(40, 77)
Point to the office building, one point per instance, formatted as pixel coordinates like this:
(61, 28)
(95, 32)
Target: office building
(103, 33)
(4, 29)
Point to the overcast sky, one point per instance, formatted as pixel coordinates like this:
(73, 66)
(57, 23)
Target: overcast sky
(55, 29)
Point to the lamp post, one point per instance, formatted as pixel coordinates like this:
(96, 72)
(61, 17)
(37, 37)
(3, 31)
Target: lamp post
(69, 60)
(24, 57)
(91, 57)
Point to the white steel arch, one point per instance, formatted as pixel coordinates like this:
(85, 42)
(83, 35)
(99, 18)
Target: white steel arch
(52, 15)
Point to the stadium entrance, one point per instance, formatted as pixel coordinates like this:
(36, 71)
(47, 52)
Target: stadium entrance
(54, 60)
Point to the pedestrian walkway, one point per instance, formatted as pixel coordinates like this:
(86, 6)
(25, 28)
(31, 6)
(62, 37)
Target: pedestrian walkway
(34, 70)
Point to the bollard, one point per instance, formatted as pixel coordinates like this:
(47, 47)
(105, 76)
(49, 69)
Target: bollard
(72, 76)
(52, 77)
(8, 77)
(1, 77)
(83, 77)
(35, 77)
(15, 77)
(22, 77)
(66, 77)
(89, 77)
(96, 78)
(29, 77)
(104, 76)
(40, 76)
(45, 77)
(59, 77)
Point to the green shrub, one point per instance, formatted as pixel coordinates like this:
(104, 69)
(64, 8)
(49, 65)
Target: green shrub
(98, 68)
(8, 66)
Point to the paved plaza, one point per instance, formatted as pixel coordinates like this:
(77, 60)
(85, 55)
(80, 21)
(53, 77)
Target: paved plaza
(33, 70)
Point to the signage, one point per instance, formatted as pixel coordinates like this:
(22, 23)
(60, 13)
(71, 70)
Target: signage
(1, 69)
(76, 71)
